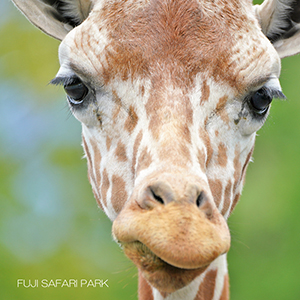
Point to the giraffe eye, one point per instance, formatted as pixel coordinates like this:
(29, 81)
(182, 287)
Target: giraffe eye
(76, 91)
(260, 101)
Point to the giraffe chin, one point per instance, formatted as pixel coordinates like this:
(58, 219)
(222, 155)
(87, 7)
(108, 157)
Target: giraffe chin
(161, 275)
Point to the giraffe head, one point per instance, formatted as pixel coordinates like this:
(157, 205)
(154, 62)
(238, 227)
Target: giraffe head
(170, 95)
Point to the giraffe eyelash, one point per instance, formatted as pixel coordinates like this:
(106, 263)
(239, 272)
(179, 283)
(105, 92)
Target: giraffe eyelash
(273, 93)
(64, 80)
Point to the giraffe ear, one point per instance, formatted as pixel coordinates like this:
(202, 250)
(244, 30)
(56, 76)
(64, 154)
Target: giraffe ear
(280, 22)
(55, 17)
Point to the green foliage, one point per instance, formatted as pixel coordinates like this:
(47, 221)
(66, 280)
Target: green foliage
(23, 55)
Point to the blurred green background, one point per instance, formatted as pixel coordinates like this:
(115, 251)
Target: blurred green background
(50, 226)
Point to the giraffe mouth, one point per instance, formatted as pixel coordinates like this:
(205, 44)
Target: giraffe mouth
(147, 260)
(160, 274)
(178, 234)
(171, 244)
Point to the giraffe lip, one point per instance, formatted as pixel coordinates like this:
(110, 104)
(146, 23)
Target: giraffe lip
(148, 260)
(144, 254)
(160, 274)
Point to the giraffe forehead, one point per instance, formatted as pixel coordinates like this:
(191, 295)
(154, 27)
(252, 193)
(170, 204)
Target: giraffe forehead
(179, 39)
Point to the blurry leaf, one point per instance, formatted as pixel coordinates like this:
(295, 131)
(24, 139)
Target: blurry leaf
(27, 53)
(66, 156)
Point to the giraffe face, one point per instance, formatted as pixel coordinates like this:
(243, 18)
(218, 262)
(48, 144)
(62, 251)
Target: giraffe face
(170, 96)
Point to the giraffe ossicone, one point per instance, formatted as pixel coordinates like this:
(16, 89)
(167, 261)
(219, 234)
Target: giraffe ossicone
(170, 94)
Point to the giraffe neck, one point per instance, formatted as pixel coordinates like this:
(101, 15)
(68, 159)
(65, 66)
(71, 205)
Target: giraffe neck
(213, 284)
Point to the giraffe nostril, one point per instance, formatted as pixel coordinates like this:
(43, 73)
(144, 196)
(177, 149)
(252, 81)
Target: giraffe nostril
(156, 197)
(201, 197)
(163, 193)
(159, 192)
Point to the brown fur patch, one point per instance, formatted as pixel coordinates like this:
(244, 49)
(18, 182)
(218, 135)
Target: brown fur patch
(216, 190)
(207, 287)
(225, 292)
(221, 104)
(118, 106)
(91, 176)
(186, 133)
(237, 169)
(227, 198)
(144, 160)
(201, 159)
(189, 112)
(96, 161)
(131, 120)
(220, 109)
(209, 150)
(105, 186)
(136, 146)
(142, 91)
(224, 116)
(118, 193)
(205, 92)
(145, 290)
(121, 152)
(108, 142)
(222, 155)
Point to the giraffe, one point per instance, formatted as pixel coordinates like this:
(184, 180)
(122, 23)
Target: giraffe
(170, 94)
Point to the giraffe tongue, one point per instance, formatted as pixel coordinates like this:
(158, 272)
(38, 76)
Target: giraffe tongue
(177, 233)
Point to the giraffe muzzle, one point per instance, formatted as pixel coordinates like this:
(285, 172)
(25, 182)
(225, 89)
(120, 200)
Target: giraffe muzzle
(175, 221)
